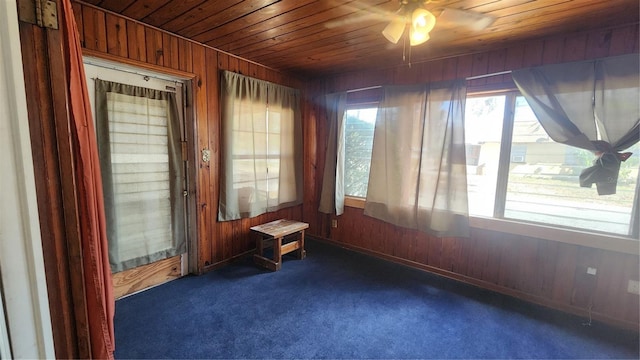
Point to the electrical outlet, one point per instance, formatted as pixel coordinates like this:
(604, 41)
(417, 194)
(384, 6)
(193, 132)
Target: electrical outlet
(206, 155)
(633, 287)
(334, 223)
(591, 270)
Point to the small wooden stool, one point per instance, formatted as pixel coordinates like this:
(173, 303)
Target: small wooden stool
(272, 234)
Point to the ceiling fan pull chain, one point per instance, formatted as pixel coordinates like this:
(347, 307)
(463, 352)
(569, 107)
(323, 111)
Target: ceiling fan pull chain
(404, 48)
(408, 35)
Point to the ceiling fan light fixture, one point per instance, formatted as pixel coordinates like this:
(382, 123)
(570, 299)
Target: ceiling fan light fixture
(394, 30)
(418, 37)
(422, 20)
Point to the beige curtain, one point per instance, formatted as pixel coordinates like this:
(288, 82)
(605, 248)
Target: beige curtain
(418, 167)
(332, 195)
(591, 105)
(138, 131)
(261, 145)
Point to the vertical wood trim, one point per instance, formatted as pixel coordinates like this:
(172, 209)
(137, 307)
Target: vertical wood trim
(152, 48)
(552, 51)
(137, 46)
(436, 72)
(533, 54)
(95, 33)
(192, 176)
(25, 323)
(464, 66)
(450, 68)
(514, 60)
(58, 76)
(77, 12)
(574, 48)
(182, 54)
(243, 67)
(204, 169)
(223, 61)
(213, 114)
(497, 61)
(49, 198)
(175, 52)
(116, 36)
(309, 130)
(479, 67)
(598, 43)
(624, 40)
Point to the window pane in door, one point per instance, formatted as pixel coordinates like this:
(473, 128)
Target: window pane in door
(140, 170)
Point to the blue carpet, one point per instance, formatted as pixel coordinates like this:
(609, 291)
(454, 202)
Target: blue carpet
(338, 304)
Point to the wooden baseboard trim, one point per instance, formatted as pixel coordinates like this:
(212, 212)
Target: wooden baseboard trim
(627, 325)
(222, 263)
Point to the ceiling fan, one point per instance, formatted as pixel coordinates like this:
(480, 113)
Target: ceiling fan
(415, 19)
(413, 15)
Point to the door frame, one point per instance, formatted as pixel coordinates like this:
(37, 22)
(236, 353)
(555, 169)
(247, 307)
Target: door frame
(25, 321)
(189, 264)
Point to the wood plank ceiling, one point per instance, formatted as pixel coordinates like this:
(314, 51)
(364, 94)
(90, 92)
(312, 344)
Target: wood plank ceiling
(317, 38)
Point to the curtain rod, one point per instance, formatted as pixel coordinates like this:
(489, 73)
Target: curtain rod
(145, 75)
(365, 88)
(467, 78)
(488, 75)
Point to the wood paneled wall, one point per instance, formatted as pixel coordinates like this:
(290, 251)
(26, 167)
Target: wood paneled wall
(116, 38)
(547, 272)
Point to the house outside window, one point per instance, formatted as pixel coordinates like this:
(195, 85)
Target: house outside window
(538, 181)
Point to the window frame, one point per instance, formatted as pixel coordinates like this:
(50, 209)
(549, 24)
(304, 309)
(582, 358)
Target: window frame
(592, 238)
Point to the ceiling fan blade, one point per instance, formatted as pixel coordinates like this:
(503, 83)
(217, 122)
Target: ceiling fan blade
(471, 20)
(361, 12)
(351, 19)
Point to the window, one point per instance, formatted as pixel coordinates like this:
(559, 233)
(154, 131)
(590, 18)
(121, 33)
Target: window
(514, 170)
(256, 158)
(261, 147)
(538, 179)
(140, 169)
(359, 127)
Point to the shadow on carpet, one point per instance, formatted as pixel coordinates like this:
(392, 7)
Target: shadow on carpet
(338, 304)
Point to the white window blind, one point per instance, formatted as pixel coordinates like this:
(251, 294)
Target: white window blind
(140, 169)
